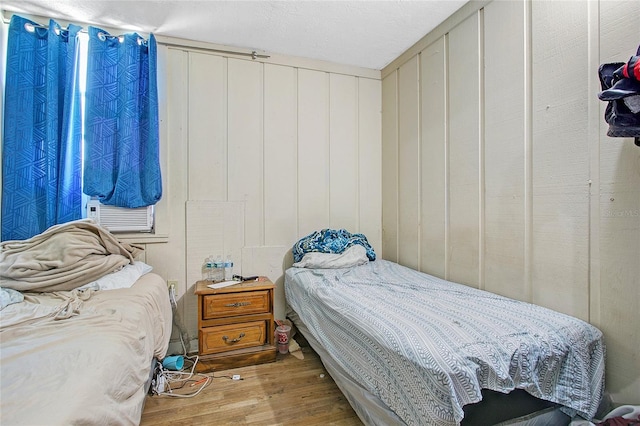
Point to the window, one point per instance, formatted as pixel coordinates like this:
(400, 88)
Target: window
(58, 108)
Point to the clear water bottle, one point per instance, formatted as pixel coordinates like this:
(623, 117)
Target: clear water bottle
(218, 268)
(228, 269)
(207, 268)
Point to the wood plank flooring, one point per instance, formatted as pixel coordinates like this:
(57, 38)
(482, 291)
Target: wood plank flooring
(286, 392)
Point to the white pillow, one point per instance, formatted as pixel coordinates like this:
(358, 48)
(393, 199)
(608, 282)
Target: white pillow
(124, 278)
(9, 296)
(353, 256)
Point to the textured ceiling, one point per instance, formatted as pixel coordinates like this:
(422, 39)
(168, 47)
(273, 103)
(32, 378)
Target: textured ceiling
(363, 33)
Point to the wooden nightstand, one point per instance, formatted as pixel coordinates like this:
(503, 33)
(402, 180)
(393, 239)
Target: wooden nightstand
(235, 325)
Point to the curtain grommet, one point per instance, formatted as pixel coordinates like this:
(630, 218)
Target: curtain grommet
(29, 27)
(102, 36)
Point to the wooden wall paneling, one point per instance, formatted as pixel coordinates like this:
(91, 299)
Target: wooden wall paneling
(504, 149)
(280, 155)
(560, 171)
(468, 9)
(174, 66)
(207, 88)
(204, 237)
(370, 162)
(464, 151)
(343, 152)
(162, 218)
(409, 159)
(390, 167)
(212, 228)
(269, 261)
(619, 221)
(575, 248)
(245, 144)
(594, 119)
(313, 151)
(433, 151)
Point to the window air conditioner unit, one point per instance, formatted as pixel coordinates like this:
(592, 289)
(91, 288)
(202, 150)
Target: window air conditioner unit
(120, 219)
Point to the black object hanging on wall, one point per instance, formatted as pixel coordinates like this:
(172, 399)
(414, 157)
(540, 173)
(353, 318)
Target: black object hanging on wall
(620, 84)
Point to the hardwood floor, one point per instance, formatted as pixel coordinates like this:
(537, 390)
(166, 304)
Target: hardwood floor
(286, 392)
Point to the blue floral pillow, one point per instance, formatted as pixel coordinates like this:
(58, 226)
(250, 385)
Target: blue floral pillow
(330, 241)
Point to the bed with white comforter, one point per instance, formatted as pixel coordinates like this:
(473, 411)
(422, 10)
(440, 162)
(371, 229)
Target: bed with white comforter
(78, 350)
(426, 347)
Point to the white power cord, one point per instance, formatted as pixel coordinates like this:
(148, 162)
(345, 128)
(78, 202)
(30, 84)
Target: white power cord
(169, 382)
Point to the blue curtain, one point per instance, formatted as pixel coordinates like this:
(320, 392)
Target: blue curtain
(41, 151)
(122, 165)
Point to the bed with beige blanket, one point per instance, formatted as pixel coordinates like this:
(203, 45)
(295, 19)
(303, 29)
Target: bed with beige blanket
(81, 324)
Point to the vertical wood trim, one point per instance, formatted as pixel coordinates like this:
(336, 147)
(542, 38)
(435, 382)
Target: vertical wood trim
(226, 129)
(328, 146)
(327, 138)
(528, 153)
(297, 147)
(481, 150)
(358, 148)
(296, 144)
(397, 166)
(594, 120)
(419, 161)
(389, 167)
(447, 164)
(262, 217)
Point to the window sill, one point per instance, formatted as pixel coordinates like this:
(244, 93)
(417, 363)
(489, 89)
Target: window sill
(142, 238)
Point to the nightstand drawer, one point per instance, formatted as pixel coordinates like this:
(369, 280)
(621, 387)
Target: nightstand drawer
(234, 304)
(224, 338)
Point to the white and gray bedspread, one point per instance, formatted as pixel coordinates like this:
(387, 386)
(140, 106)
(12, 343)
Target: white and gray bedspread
(427, 347)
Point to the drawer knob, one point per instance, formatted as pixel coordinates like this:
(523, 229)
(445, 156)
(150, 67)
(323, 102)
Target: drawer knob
(237, 304)
(227, 340)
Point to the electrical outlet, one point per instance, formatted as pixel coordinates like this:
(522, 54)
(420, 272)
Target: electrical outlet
(173, 283)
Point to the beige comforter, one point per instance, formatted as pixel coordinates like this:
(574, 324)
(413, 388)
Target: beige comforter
(63, 257)
(89, 368)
